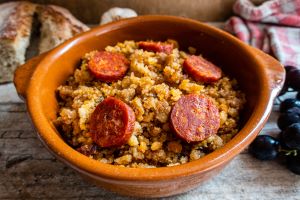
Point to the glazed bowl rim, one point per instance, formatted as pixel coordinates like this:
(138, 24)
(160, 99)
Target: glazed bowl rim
(92, 167)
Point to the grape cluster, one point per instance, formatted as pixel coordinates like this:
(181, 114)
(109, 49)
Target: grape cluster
(292, 80)
(266, 147)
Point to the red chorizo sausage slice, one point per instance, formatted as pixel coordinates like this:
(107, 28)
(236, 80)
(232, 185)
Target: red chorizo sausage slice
(112, 123)
(156, 46)
(201, 69)
(108, 66)
(195, 118)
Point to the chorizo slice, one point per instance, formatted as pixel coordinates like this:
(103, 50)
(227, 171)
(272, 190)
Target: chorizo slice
(108, 66)
(195, 117)
(112, 123)
(201, 69)
(156, 46)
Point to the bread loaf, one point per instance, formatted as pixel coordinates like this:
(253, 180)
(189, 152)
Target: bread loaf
(57, 25)
(15, 29)
(16, 22)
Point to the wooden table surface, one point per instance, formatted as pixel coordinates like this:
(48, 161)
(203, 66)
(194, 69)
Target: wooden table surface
(29, 171)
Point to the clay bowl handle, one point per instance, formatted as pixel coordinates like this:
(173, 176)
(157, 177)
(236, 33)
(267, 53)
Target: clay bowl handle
(23, 74)
(275, 71)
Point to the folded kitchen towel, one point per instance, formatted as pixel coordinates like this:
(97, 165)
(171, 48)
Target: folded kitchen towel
(273, 27)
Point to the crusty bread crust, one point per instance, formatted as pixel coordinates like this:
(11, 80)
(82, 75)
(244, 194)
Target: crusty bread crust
(58, 25)
(16, 19)
(15, 29)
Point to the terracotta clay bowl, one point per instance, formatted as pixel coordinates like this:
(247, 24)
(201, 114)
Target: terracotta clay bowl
(259, 75)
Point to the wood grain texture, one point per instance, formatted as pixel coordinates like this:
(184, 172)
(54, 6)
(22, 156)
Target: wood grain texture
(205, 10)
(29, 171)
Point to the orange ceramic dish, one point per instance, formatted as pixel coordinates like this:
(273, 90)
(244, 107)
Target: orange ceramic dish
(259, 76)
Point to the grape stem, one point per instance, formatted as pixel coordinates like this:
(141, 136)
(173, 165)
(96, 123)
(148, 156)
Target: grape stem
(289, 152)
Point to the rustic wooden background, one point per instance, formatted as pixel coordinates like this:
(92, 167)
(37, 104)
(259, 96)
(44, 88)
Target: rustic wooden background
(29, 171)
(90, 11)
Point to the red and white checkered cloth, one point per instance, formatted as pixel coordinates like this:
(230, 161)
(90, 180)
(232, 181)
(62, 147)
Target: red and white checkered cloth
(273, 27)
